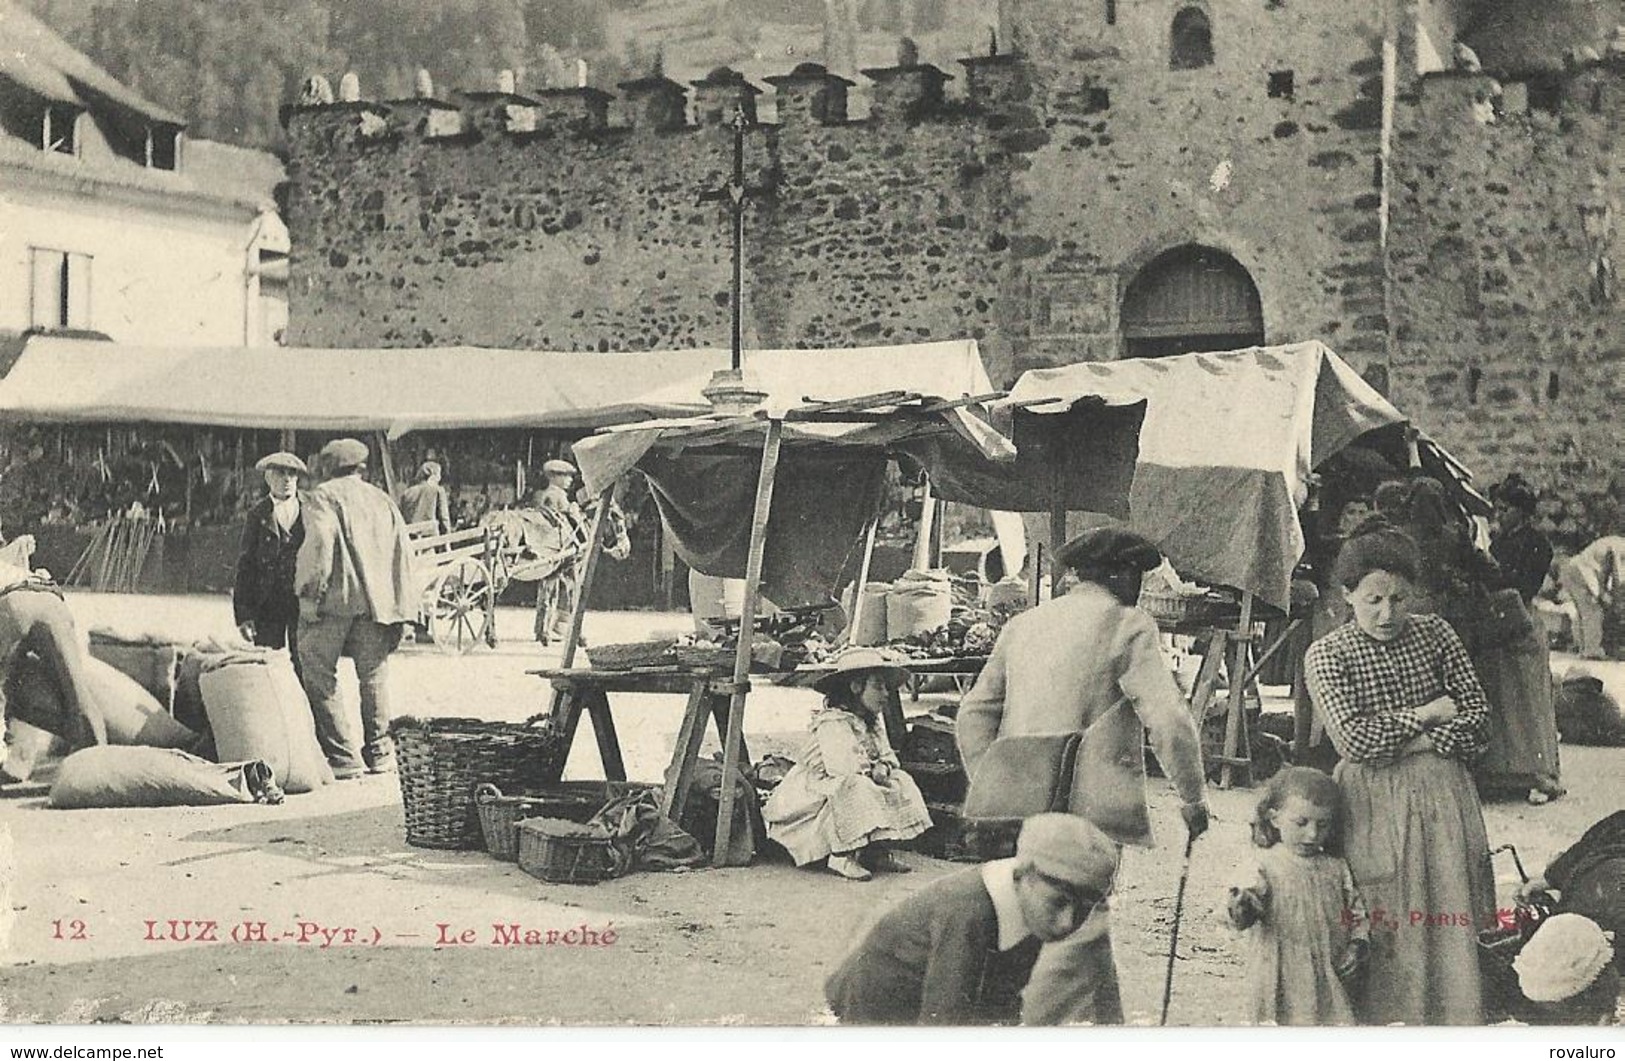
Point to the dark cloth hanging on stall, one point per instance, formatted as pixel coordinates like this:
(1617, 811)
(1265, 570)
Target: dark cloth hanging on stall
(820, 507)
(1085, 456)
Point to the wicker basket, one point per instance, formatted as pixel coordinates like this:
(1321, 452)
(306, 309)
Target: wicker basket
(574, 801)
(632, 654)
(561, 852)
(1497, 948)
(443, 760)
(705, 657)
(1174, 608)
(764, 655)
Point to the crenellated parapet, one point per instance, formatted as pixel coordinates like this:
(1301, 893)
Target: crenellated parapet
(807, 96)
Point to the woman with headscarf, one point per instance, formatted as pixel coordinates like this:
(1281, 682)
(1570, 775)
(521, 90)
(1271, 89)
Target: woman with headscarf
(1407, 714)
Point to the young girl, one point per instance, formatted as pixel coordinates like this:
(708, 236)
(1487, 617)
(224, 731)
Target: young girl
(1308, 924)
(849, 794)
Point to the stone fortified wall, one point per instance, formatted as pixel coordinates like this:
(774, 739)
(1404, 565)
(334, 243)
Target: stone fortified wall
(1012, 200)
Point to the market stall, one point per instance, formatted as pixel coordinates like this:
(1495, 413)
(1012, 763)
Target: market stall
(1226, 454)
(790, 536)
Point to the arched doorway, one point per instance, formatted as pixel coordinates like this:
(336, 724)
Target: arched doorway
(1188, 300)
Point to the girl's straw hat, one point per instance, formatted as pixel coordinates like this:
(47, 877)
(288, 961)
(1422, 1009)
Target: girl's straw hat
(860, 661)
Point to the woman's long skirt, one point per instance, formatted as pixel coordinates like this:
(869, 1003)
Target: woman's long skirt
(1517, 680)
(1415, 842)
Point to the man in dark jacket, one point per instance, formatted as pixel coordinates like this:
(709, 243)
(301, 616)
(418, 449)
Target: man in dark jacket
(960, 950)
(262, 599)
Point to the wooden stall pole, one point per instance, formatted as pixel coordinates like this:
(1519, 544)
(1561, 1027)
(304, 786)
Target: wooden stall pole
(386, 461)
(566, 703)
(747, 627)
(589, 569)
(1057, 523)
(863, 577)
(668, 571)
(921, 560)
(1235, 716)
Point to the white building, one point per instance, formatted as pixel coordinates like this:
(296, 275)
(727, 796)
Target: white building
(112, 221)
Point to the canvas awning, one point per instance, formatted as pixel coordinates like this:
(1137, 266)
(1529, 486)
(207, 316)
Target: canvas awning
(402, 390)
(703, 474)
(1227, 447)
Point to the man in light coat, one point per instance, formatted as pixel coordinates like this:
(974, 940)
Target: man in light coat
(355, 588)
(1089, 661)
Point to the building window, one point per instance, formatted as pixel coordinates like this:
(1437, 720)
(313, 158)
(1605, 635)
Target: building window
(60, 130)
(1191, 40)
(163, 147)
(59, 296)
(1280, 86)
(1111, 12)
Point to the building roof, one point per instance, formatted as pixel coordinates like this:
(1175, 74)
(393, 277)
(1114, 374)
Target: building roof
(239, 174)
(215, 173)
(34, 56)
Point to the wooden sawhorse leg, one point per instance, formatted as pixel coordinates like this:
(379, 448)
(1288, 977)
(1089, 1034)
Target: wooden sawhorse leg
(680, 774)
(595, 702)
(703, 703)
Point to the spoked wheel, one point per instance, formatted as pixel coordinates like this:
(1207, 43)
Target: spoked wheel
(457, 611)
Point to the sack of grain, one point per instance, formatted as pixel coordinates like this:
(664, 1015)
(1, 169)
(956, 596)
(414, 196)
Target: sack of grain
(872, 622)
(919, 602)
(257, 710)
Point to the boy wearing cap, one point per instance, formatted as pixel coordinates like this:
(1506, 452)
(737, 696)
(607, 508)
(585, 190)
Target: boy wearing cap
(1089, 661)
(262, 598)
(960, 950)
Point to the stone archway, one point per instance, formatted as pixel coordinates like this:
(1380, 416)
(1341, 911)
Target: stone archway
(1188, 300)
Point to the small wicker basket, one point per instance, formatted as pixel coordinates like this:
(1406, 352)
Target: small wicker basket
(563, 852)
(574, 801)
(442, 761)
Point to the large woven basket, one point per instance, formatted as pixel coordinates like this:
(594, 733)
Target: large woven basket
(632, 654)
(558, 852)
(443, 760)
(574, 801)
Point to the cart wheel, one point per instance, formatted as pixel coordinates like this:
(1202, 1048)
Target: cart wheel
(456, 614)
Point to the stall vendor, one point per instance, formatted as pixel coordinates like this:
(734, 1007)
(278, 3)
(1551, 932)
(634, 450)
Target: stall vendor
(1090, 661)
(960, 950)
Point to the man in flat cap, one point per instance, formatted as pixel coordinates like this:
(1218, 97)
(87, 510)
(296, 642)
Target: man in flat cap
(1089, 661)
(355, 588)
(959, 950)
(555, 594)
(262, 598)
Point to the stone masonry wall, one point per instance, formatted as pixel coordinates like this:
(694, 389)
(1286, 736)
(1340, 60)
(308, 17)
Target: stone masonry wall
(1016, 210)
(1507, 343)
(1138, 157)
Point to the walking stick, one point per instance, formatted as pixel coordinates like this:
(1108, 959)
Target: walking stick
(1173, 939)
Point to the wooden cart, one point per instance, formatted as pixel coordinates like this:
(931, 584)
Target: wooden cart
(462, 573)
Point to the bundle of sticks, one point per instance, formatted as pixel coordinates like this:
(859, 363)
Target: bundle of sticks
(115, 557)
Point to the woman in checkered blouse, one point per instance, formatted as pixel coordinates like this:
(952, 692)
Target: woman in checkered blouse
(1407, 714)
